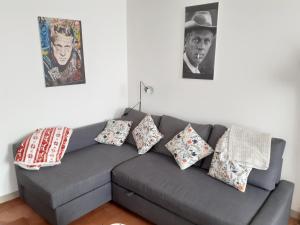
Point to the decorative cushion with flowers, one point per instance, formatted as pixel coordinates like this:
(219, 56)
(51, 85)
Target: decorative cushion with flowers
(115, 132)
(146, 135)
(230, 172)
(188, 147)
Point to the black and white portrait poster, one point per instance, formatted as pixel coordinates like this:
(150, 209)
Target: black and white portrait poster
(200, 41)
(62, 51)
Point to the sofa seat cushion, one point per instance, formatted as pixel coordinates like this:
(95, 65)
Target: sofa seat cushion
(191, 193)
(80, 172)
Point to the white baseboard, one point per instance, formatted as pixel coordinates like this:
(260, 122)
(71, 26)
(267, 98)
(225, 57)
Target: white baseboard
(9, 197)
(295, 214)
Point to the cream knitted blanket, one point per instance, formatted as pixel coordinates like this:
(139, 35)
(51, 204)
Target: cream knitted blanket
(250, 148)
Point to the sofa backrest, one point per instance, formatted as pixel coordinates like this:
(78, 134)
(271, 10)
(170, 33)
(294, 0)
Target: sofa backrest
(170, 126)
(80, 138)
(136, 117)
(216, 132)
(266, 179)
(84, 136)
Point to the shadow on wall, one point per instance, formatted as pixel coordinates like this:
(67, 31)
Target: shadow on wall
(288, 74)
(296, 83)
(118, 113)
(10, 160)
(12, 174)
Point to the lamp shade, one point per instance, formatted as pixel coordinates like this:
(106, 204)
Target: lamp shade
(148, 89)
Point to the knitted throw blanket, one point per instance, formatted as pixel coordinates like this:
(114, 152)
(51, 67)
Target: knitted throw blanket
(250, 148)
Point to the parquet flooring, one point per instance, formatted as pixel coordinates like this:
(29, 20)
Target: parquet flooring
(16, 212)
(294, 222)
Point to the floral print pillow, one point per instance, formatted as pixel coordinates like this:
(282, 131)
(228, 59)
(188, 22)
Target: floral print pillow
(115, 132)
(146, 135)
(230, 172)
(188, 147)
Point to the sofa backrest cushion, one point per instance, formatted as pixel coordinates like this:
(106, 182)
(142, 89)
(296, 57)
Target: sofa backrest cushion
(84, 136)
(170, 126)
(216, 132)
(266, 179)
(136, 117)
(80, 138)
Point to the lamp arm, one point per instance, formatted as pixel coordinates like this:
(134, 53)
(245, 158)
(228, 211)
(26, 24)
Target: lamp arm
(146, 89)
(140, 100)
(130, 109)
(142, 84)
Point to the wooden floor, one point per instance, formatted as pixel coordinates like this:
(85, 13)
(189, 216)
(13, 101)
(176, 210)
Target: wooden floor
(16, 212)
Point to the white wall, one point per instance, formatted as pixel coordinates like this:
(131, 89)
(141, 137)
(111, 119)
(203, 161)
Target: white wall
(25, 102)
(257, 68)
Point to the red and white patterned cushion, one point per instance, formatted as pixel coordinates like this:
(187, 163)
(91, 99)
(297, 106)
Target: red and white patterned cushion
(45, 147)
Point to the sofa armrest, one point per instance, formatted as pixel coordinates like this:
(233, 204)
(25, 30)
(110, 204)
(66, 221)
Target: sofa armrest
(276, 209)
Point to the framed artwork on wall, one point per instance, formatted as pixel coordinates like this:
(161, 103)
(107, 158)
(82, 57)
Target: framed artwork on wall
(200, 31)
(62, 51)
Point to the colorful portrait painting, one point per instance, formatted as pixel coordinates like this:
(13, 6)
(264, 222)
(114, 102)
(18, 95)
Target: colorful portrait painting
(62, 51)
(200, 41)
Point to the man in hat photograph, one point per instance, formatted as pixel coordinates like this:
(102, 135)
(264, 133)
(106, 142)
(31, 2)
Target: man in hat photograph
(199, 38)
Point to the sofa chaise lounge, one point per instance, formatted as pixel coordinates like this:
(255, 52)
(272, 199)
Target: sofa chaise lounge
(152, 185)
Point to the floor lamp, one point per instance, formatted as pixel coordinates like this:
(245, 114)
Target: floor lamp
(147, 89)
(143, 89)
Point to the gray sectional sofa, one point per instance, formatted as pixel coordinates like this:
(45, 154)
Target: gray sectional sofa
(152, 185)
